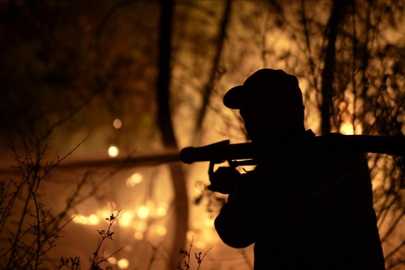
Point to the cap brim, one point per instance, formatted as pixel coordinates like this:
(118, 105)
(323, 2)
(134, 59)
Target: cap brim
(234, 97)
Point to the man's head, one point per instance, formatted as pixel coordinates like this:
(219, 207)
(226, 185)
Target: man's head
(270, 102)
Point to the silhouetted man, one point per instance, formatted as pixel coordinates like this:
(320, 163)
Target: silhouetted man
(305, 205)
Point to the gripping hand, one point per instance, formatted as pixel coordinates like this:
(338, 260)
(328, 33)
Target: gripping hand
(222, 180)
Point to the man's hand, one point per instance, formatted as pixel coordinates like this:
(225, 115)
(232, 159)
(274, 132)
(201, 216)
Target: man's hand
(222, 180)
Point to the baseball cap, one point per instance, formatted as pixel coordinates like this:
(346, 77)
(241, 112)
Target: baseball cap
(267, 91)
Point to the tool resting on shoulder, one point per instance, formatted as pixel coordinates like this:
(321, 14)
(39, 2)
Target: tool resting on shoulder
(225, 151)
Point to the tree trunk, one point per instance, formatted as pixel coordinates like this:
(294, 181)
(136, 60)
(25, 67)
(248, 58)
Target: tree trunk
(180, 201)
(338, 14)
(210, 84)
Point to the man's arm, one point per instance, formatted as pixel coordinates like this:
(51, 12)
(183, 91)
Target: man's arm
(235, 222)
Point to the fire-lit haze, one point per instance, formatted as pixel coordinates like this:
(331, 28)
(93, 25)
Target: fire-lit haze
(88, 73)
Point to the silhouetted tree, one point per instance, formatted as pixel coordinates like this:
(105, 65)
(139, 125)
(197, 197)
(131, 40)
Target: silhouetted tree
(180, 202)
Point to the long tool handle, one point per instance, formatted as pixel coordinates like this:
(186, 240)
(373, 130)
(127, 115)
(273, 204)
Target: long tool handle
(362, 143)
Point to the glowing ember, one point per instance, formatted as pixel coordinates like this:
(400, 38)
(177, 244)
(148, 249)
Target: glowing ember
(126, 218)
(90, 220)
(161, 211)
(113, 151)
(93, 220)
(123, 263)
(112, 260)
(346, 128)
(143, 212)
(80, 219)
(134, 179)
(117, 123)
(104, 213)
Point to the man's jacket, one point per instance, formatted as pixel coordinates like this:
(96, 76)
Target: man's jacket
(307, 206)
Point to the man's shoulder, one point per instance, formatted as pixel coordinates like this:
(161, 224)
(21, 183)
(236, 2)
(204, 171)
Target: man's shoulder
(309, 153)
